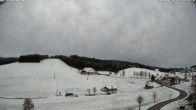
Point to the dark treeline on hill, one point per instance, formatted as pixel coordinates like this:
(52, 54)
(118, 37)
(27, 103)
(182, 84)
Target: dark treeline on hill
(82, 62)
(1, 2)
(97, 64)
(193, 66)
(4, 61)
(32, 58)
(103, 65)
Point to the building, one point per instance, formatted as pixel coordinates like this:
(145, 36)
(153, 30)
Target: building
(193, 68)
(165, 82)
(106, 73)
(89, 71)
(157, 69)
(109, 89)
(148, 85)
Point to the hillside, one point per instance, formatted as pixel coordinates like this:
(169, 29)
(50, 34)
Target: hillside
(37, 81)
(105, 65)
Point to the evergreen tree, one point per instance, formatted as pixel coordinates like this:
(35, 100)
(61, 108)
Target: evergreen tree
(152, 77)
(28, 104)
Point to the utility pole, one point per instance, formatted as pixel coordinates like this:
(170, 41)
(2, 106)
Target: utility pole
(87, 76)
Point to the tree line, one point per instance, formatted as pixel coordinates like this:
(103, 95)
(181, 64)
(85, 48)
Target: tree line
(32, 58)
(1, 2)
(193, 66)
(4, 60)
(81, 62)
(97, 64)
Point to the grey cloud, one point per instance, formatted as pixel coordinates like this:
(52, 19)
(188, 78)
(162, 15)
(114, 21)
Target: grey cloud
(149, 32)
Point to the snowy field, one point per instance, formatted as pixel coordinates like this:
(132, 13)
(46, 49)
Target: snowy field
(41, 81)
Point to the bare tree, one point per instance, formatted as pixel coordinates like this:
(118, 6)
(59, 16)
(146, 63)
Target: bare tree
(140, 100)
(154, 96)
(88, 76)
(141, 73)
(94, 90)
(145, 73)
(137, 74)
(28, 104)
(89, 91)
(134, 73)
(149, 75)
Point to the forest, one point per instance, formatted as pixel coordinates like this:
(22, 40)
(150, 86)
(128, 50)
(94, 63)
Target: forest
(81, 62)
(7, 60)
(32, 58)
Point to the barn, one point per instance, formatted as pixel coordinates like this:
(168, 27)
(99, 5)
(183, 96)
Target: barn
(109, 89)
(89, 71)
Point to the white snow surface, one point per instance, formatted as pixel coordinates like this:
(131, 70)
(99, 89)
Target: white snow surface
(41, 81)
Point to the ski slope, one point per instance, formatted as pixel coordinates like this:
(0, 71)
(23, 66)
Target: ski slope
(41, 81)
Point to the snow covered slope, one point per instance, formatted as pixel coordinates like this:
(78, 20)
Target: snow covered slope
(41, 81)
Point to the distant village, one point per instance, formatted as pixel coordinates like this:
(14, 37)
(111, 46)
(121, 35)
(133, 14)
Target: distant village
(167, 80)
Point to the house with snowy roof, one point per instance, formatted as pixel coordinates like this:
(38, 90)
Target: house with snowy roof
(89, 71)
(193, 68)
(109, 89)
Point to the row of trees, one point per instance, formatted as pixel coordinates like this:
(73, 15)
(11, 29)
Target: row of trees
(89, 91)
(1, 2)
(97, 64)
(32, 58)
(103, 65)
(142, 74)
(28, 103)
(4, 61)
(140, 99)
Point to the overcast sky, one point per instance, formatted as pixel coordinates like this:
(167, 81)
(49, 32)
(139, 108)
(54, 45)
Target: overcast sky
(144, 31)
